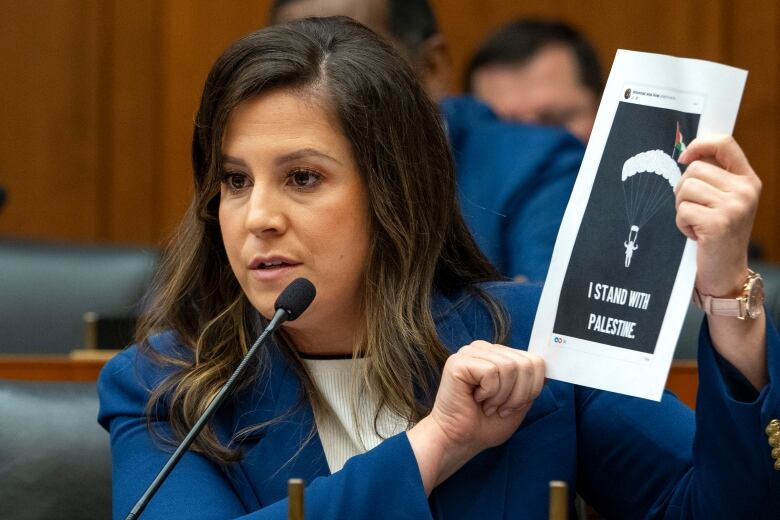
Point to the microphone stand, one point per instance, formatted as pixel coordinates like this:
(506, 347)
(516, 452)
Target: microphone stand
(280, 317)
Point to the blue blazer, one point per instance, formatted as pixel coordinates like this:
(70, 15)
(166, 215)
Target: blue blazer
(514, 182)
(630, 458)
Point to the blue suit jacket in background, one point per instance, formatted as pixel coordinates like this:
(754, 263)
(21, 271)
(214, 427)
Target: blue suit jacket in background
(514, 182)
(630, 458)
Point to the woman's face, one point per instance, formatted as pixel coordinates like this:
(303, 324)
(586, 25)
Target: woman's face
(292, 204)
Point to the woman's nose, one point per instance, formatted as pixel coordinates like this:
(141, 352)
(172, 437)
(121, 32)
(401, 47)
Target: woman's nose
(266, 213)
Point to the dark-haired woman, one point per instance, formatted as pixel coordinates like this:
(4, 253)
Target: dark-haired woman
(317, 154)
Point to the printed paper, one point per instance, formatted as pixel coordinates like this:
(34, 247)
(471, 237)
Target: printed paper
(622, 274)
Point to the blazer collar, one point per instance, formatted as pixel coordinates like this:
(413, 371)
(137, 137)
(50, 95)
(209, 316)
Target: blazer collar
(287, 448)
(450, 327)
(490, 467)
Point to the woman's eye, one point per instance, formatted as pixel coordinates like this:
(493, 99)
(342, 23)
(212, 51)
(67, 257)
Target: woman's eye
(235, 181)
(302, 179)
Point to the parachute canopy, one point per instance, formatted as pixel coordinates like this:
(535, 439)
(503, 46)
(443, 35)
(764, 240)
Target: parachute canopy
(646, 179)
(654, 161)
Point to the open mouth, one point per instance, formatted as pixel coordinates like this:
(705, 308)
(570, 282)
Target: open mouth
(270, 264)
(276, 264)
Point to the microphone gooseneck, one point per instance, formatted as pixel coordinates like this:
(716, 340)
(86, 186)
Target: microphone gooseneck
(290, 304)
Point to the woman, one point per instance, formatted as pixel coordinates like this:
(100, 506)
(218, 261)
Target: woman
(317, 154)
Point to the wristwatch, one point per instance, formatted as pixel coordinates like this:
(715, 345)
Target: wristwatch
(749, 305)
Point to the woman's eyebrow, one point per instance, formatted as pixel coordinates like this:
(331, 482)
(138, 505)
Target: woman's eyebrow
(234, 160)
(304, 153)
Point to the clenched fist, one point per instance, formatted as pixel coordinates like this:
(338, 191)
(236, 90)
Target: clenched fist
(484, 394)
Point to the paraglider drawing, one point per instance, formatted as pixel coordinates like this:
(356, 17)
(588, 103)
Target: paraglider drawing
(648, 181)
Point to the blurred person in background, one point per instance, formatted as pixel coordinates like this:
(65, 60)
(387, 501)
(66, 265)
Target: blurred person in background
(539, 72)
(514, 180)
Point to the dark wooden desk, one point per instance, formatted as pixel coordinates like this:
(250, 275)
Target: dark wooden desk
(683, 378)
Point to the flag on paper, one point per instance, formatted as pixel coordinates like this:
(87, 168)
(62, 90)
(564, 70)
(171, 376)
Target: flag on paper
(679, 145)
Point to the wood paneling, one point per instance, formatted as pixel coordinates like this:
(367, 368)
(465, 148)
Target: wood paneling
(50, 119)
(130, 202)
(753, 41)
(194, 35)
(99, 96)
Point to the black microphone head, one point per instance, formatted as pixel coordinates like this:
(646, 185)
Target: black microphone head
(296, 297)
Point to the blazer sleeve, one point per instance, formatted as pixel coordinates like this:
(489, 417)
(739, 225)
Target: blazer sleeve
(640, 459)
(383, 482)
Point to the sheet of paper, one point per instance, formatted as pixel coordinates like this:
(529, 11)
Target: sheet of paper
(622, 274)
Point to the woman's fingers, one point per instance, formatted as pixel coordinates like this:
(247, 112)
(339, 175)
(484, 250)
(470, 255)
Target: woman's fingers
(523, 394)
(716, 202)
(698, 191)
(479, 374)
(505, 367)
(707, 172)
(691, 218)
(510, 380)
(724, 149)
(483, 396)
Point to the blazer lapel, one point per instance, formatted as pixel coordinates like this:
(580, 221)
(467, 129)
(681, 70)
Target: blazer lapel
(449, 325)
(273, 454)
(485, 476)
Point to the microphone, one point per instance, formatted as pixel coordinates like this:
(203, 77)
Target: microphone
(291, 302)
(295, 298)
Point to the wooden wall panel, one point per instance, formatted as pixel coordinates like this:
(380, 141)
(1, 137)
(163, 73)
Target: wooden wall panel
(194, 35)
(130, 202)
(49, 119)
(753, 41)
(99, 96)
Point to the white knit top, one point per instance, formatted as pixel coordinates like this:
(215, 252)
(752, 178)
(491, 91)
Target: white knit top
(350, 429)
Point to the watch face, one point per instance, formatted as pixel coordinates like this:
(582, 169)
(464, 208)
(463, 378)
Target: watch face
(755, 297)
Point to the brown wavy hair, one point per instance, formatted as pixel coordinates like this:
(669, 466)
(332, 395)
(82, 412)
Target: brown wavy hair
(419, 242)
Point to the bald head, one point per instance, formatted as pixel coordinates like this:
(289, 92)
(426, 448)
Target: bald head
(408, 25)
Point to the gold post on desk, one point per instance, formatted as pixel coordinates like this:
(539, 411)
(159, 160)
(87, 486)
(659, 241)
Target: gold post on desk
(559, 500)
(90, 331)
(295, 499)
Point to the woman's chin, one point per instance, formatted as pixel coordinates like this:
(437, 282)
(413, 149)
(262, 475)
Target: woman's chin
(264, 307)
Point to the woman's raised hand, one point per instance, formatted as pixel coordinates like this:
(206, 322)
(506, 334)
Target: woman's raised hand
(716, 202)
(485, 392)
